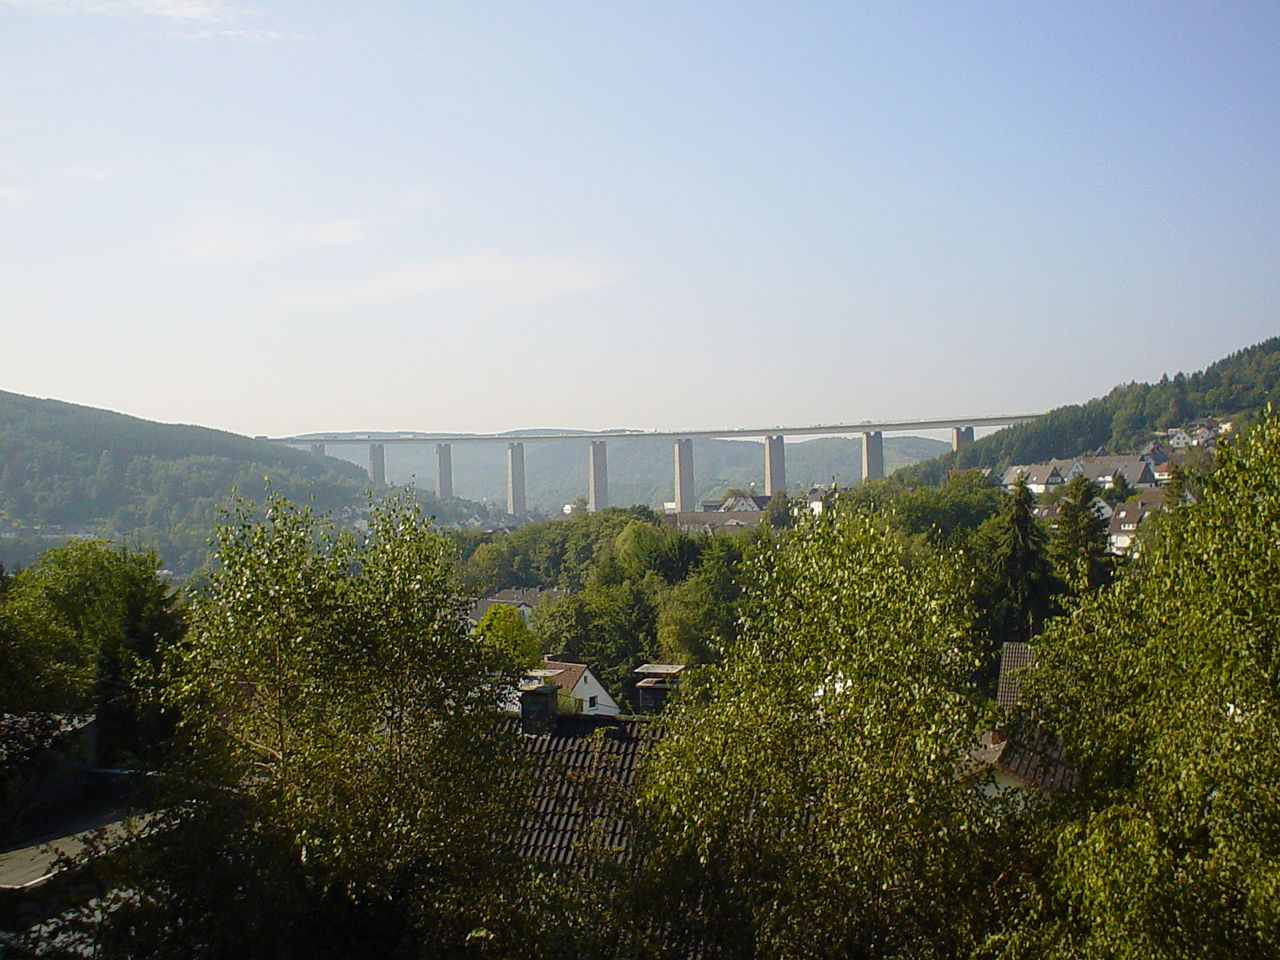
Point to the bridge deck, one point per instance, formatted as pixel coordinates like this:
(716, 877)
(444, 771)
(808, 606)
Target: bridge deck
(818, 430)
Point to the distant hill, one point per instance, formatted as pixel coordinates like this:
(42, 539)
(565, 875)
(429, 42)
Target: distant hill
(70, 470)
(1127, 417)
(640, 467)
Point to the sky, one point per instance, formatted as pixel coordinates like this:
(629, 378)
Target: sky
(283, 217)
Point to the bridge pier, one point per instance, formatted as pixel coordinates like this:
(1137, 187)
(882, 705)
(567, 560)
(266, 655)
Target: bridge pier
(318, 449)
(961, 437)
(683, 482)
(378, 464)
(597, 476)
(775, 466)
(444, 471)
(515, 480)
(872, 455)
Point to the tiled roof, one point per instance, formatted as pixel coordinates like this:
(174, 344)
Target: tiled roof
(692, 522)
(565, 675)
(514, 597)
(1034, 756)
(1034, 473)
(530, 595)
(585, 774)
(1013, 657)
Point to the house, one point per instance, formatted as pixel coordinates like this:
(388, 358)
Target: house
(1047, 512)
(1038, 476)
(1155, 453)
(1105, 470)
(579, 690)
(735, 503)
(1020, 754)
(1122, 531)
(660, 681)
(585, 770)
(523, 599)
(717, 521)
(1020, 758)
(1050, 512)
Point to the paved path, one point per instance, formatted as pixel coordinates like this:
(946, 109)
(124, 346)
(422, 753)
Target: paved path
(34, 858)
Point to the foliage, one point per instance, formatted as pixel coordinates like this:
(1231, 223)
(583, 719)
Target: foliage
(698, 617)
(807, 785)
(777, 512)
(636, 589)
(1079, 542)
(67, 469)
(1016, 586)
(610, 627)
(1166, 688)
(558, 553)
(504, 627)
(949, 513)
(1126, 417)
(81, 631)
(348, 764)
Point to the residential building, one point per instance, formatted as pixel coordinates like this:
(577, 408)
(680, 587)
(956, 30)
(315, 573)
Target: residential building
(579, 689)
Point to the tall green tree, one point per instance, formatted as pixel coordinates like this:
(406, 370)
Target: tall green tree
(1016, 585)
(1079, 542)
(504, 626)
(82, 630)
(347, 783)
(805, 798)
(1166, 689)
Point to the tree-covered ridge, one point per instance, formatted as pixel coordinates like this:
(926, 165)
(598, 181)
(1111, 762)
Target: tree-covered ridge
(1126, 417)
(68, 469)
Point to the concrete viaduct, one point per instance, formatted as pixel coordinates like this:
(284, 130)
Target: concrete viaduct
(597, 456)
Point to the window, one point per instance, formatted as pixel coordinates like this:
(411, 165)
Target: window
(591, 703)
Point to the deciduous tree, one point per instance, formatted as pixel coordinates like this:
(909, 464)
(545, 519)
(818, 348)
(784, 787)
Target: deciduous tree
(805, 798)
(1166, 688)
(348, 779)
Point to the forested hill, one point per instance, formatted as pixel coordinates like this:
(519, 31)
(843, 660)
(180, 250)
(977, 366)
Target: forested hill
(1127, 417)
(67, 470)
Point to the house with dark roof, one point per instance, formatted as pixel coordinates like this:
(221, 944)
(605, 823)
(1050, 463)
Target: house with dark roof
(1018, 754)
(1014, 658)
(1122, 530)
(1104, 470)
(1039, 477)
(1022, 758)
(524, 599)
(717, 521)
(585, 774)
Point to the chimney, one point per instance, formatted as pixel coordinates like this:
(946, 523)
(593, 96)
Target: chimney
(538, 707)
(660, 679)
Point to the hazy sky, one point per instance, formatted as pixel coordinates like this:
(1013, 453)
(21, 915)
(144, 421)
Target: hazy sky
(279, 217)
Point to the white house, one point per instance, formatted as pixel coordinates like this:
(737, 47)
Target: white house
(580, 691)
(1039, 477)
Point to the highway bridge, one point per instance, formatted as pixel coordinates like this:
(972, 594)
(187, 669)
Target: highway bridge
(871, 432)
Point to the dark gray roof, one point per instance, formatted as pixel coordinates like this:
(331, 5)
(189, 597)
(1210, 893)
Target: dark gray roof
(1013, 657)
(1037, 473)
(585, 773)
(1036, 757)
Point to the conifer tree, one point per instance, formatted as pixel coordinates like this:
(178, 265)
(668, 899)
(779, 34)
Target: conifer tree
(1079, 542)
(1016, 584)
